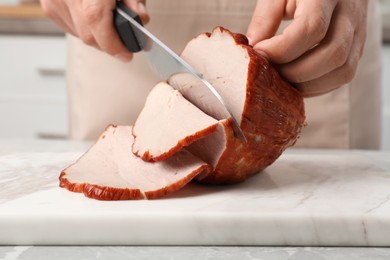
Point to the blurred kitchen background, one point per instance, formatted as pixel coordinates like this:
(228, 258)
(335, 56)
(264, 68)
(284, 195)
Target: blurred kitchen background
(33, 100)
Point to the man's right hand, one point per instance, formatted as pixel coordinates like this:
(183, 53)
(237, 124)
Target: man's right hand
(92, 21)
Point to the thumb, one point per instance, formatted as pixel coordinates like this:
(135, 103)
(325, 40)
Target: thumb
(265, 21)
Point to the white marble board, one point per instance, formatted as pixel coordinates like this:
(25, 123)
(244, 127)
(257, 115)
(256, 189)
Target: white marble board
(312, 198)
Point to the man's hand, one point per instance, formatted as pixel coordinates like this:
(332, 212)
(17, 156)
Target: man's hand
(92, 22)
(319, 51)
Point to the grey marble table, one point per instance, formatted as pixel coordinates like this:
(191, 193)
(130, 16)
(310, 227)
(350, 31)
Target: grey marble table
(170, 252)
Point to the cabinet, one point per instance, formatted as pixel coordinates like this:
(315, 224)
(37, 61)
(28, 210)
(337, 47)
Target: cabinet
(385, 12)
(32, 86)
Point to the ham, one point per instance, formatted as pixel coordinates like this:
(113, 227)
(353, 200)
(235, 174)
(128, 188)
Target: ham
(168, 123)
(269, 110)
(110, 171)
(173, 141)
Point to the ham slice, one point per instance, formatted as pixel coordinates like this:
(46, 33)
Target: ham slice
(168, 123)
(178, 142)
(110, 171)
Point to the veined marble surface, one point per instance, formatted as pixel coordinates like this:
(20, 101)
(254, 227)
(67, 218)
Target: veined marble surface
(192, 252)
(307, 197)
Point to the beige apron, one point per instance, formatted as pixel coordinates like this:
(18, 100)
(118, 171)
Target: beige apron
(103, 90)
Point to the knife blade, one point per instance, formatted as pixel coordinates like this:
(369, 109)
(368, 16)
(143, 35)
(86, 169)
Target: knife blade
(168, 65)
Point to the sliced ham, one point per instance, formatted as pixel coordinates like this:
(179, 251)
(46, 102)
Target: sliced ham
(270, 111)
(224, 59)
(110, 171)
(168, 123)
(177, 141)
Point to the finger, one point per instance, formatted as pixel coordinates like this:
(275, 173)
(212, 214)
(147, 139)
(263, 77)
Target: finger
(63, 25)
(99, 17)
(52, 8)
(330, 54)
(309, 27)
(265, 20)
(335, 78)
(82, 29)
(361, 29)
(139, 6)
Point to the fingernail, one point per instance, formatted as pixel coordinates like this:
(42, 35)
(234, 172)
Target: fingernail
(249, 40)
(142, 8)
(259, 51)
(125, 57)
(262, 53)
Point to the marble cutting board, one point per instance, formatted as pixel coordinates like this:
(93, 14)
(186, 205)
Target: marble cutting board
(313, 198)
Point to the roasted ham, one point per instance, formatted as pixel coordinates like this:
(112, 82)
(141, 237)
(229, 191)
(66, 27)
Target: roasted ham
(270, 111)
(177, 141)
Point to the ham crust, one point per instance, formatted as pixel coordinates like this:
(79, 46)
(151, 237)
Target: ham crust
(110, 171)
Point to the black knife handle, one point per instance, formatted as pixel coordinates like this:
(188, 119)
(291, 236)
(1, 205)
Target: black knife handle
(124, 29)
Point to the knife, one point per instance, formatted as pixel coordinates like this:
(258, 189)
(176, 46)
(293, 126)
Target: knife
(167, 64)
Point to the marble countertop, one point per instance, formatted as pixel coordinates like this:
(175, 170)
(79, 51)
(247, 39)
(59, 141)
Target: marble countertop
(307, 198)
(192, 252)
